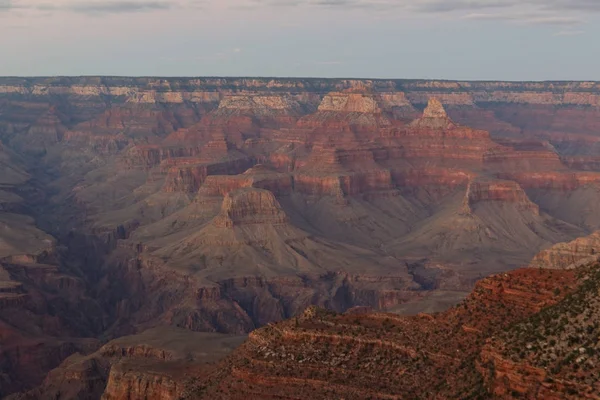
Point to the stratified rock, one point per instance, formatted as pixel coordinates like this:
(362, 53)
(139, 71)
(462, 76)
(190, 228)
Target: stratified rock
(250, 206)
(569, 255)
(152, 189)
(155, 364)
(259, 176)
(523, 155)
(484, 190)
(435, 109)
(541, 357)
(317, 353)
(188, 175)
(434, 117)
(349, 102)
(259, 105)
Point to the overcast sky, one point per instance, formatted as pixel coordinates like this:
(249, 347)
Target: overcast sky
(443, 39)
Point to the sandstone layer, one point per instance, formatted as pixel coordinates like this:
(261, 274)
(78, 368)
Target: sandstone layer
(569, 255)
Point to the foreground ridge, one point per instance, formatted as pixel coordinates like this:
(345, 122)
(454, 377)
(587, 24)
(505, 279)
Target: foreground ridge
(462, 353)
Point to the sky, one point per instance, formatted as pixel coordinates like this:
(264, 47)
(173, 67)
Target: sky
(412, 39)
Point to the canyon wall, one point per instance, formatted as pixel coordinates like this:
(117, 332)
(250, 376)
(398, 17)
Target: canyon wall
(226, 204)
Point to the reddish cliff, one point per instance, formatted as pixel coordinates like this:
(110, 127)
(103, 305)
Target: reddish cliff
(259, 176)
(553, 354)
(481, 190)
(560, 181)
(189, 176)
(250, 206)
(156, 364)
(321, 354)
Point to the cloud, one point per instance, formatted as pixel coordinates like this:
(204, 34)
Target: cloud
(547, 12)
(91, 6)
(119, 6)
(440, 6)
(532, 18)
(567, 5)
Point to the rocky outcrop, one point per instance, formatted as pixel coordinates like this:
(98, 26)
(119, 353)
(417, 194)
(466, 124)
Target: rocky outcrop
(481, 190)
(125, 382)
(153, 364)
(344, 183)
(559, 181)
(258, 103)
(523, 155)
(582, 163)
(324, 354)
(552, 354)
(569, 255)
(510, 379)
(188, 177)
(250, 206)
(349, 102)
(259, 176)
(434, 117)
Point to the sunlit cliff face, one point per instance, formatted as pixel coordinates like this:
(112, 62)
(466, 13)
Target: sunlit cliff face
(354, 38)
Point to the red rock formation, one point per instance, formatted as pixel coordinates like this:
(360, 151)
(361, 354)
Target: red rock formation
(342, 115)
(189, 177)
(321, 354)
(435, 137)
(432, 176)
(355, 182)
(156, 364)
(522, 156)
(343, 184)
(349, 102)
(550, 355)
(259, 176)
(582, 163)
(250, 206)
(434, 117)
(481, 190)
(561, 181)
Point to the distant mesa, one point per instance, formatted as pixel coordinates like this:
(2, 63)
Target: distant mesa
(259, 105)
(486, 190)
(248, 206)
(435, 109)
(350, 102)
(434, 117)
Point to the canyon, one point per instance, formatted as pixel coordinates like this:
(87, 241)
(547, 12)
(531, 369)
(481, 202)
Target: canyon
(216, 206)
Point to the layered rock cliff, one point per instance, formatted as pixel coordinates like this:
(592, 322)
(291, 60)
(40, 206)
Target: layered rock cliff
(362, 354)
(155, 364)
(569, 255)
(551, 355)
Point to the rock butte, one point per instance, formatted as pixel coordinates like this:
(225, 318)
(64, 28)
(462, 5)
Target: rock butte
(223, 205)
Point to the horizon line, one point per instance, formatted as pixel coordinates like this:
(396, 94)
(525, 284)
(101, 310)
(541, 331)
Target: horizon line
(259, 77)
